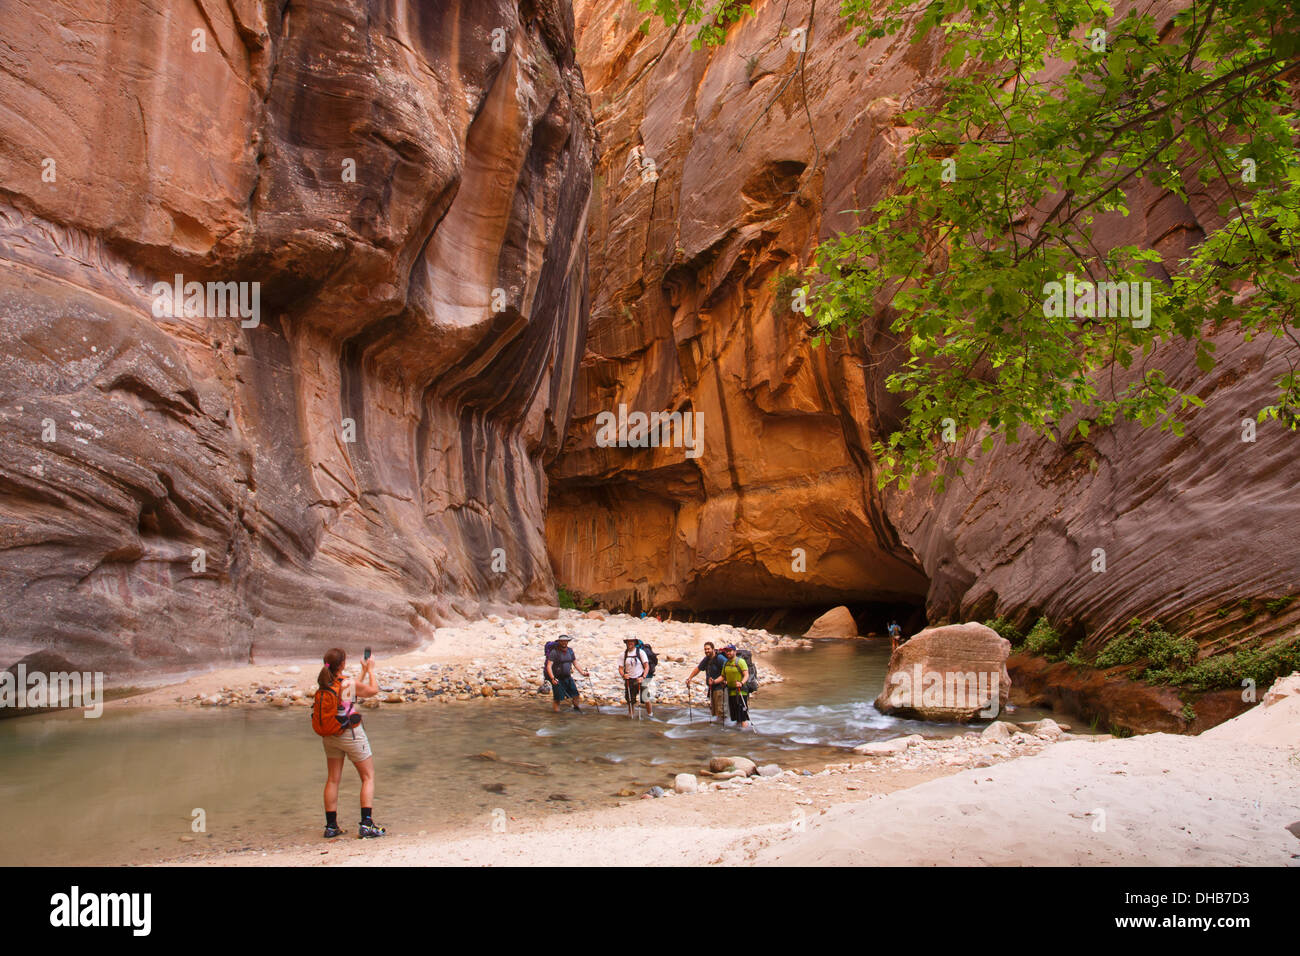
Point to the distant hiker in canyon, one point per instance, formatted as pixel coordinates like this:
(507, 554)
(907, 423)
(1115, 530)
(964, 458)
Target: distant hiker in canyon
(711, 668)
(335, 718)
(637, 671)
(560, 664)
(735, 675)
(895, 635)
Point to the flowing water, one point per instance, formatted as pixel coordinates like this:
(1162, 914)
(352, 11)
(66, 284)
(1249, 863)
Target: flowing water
(126, 787)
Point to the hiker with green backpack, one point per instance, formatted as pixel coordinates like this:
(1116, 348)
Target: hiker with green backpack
(740, 683)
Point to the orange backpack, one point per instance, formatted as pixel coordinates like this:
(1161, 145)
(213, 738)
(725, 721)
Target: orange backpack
(325, 711)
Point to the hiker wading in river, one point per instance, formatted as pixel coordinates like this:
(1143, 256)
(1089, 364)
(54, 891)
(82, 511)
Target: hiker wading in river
(734, 674)
(711, 668)
(560, 664)
(634, 669)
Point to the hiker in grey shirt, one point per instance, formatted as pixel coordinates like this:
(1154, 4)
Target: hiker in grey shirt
(560, 664)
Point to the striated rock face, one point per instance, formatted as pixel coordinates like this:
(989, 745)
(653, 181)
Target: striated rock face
(408, 185)
(754, 161)
(1186, 527)
(1116, 703)
(952, 673)
(710, 187)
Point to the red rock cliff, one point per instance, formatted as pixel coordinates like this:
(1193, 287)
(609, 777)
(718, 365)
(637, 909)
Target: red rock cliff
(176, 489)
(755, 157)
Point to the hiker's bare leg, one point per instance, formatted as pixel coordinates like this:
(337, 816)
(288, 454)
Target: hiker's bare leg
(333, 774)
(367, 771)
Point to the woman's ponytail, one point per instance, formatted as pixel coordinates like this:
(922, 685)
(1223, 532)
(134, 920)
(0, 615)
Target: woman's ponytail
(334, 659)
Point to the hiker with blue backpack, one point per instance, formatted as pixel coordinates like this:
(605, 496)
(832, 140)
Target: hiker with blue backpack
(711, 667)
(895, 636)
(561, 662)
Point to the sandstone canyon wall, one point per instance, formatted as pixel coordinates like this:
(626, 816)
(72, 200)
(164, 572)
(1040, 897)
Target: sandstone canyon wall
(756, 156)
(176, 489)
(686, 316)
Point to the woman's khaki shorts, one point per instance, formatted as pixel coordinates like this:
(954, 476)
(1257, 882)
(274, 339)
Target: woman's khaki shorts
(355, 748)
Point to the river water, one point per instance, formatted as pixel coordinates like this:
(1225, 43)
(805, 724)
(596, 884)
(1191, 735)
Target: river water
(126, 787)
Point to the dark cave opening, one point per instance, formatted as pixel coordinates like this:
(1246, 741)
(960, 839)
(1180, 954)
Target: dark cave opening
(871, 616)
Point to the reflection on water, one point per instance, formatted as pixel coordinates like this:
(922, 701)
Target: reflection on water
(126, 787)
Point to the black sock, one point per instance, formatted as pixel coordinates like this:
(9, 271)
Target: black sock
(331, 818)
(365, 815)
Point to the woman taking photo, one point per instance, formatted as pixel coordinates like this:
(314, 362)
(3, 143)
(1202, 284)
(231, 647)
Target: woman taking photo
(334, 716)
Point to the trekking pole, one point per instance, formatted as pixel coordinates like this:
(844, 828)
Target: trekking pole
(592, 693)
(690, 708)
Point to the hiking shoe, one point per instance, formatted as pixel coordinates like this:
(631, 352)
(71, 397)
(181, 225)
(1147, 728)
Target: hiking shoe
(369, 830)
(332, 832)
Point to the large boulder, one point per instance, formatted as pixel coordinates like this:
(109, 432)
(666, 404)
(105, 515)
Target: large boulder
(837, 622)
(953, 673)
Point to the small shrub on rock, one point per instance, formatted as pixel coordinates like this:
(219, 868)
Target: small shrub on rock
(1043, 639)
(1261, 665)
(1148, 642)
(1006, 630)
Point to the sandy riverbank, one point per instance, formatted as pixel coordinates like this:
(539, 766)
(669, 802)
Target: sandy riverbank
(1225, 798)
(493, 657)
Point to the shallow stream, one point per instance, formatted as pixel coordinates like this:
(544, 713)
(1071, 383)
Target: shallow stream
(125, 787)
